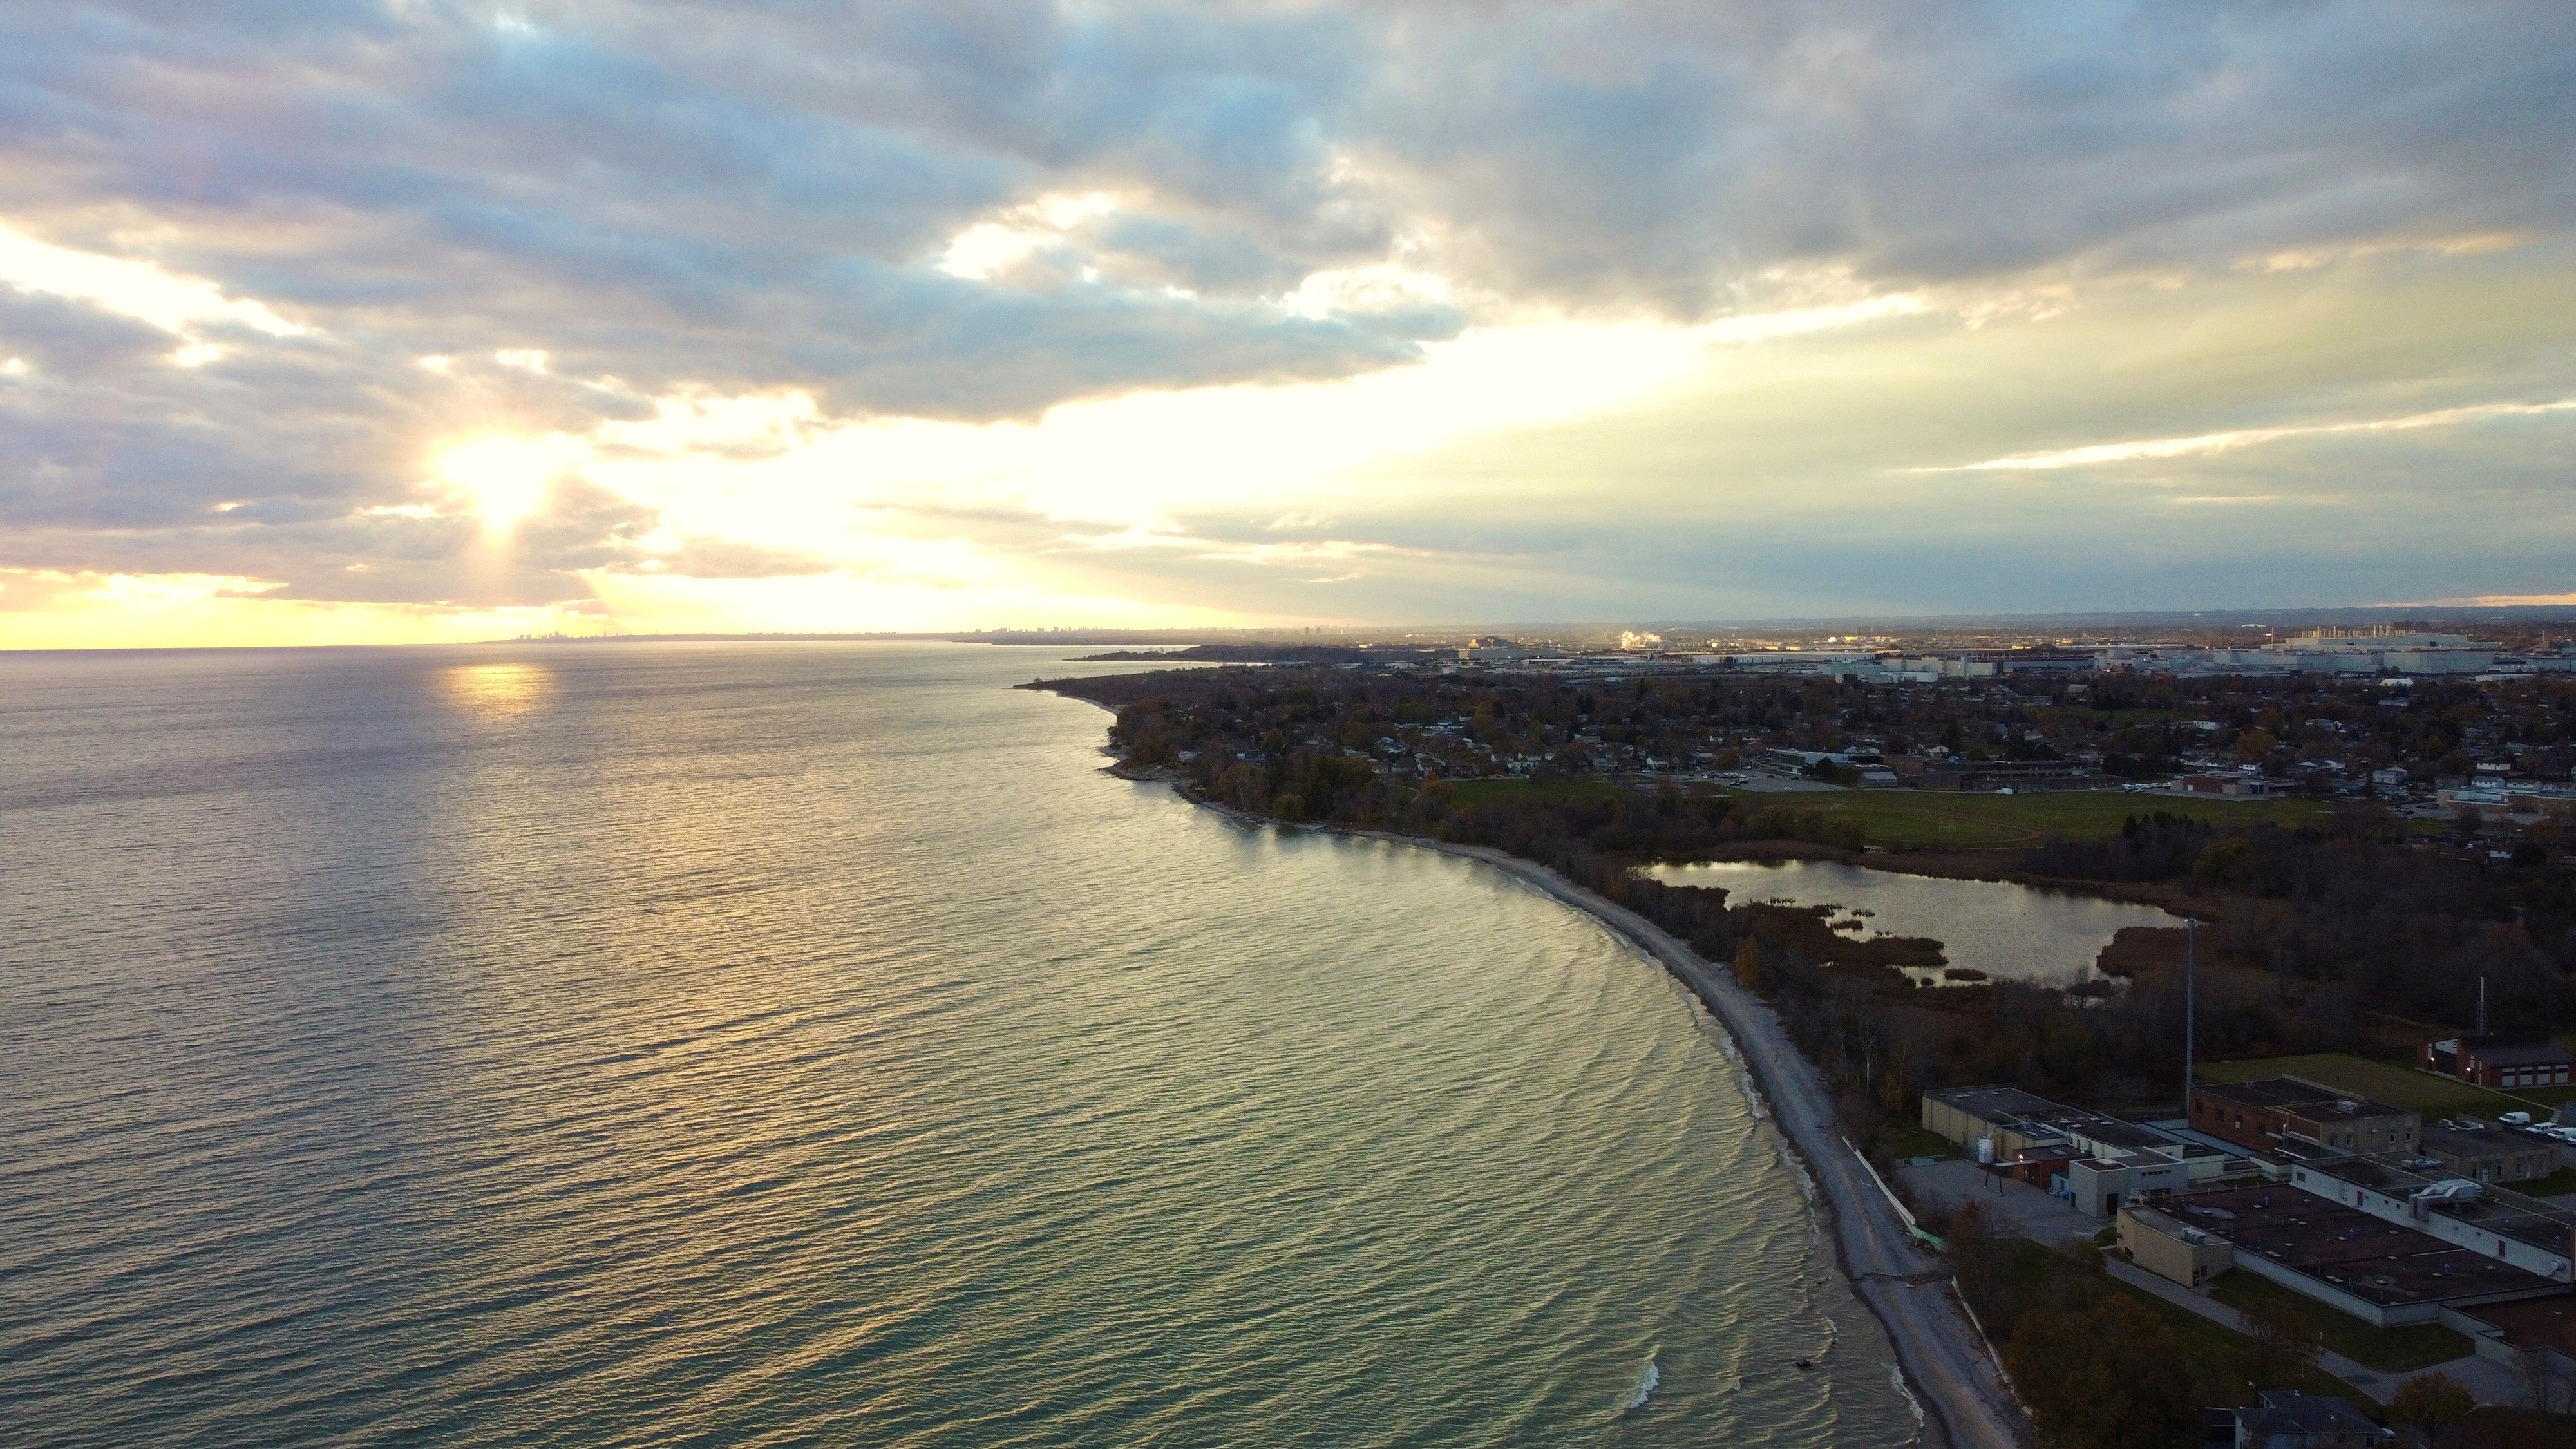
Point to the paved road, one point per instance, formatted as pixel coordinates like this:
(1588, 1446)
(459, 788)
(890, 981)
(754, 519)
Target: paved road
(2017, 1205)
(1943, 1357)
(2492, 1382)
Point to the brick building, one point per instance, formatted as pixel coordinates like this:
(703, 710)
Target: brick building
(2259, 1114)
(2499, 1061)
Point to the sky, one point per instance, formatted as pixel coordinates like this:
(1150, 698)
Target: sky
(380, 321)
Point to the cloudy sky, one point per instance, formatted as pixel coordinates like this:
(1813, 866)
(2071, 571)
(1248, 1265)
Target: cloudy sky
(332, 320)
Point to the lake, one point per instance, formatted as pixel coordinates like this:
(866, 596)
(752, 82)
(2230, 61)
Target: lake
(806, 1043)
(2010, 932)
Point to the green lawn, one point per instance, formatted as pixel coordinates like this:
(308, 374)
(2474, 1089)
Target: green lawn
(2217, 1354)
(2390, 1350)
(2417, 1091)
(1959, 820)
(1906, 1139)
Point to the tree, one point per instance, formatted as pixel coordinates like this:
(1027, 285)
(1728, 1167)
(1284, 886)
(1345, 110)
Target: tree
(2099, 1371)
(1748, 963)
(2431, 1402)
(2285, 1344)
(1979, 1266)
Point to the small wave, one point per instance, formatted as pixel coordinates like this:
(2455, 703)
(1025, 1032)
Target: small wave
(1907, 1391)
(1645, 1385)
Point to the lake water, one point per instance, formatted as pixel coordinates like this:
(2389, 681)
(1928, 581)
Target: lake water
(781, 1044)
(2011, 932)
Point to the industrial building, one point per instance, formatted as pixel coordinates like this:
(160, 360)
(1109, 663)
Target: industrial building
(2260, 1115)
(2499, 1061)
(2384, 1272)
(2486, 1154)
(2170, 1248)
(2524, 1232)
(2094, 1160)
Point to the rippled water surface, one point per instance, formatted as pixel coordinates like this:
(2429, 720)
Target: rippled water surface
(2014, 932)
(806, 1044)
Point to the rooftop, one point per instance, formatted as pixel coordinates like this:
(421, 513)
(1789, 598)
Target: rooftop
(2543, 1322)
(2518, 1053)
(2507, 1214)
(2481, 1141)
(1987, 1102)
(2368, 1257)
(2294, 1095)
(2282, 1412)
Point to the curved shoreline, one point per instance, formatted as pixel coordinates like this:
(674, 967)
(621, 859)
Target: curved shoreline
(1941, 1357)
(1943, 1360)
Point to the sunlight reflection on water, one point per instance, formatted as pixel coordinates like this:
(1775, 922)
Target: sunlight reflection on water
(507, 688)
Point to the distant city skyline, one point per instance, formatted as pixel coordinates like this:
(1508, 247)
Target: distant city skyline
(412, 322)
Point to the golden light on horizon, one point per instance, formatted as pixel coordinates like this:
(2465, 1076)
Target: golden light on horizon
(508, 477)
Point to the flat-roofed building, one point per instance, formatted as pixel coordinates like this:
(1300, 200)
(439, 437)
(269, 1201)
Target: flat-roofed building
(2259, 1114)
(2533, 1234)
(2092, 1159)
(2489, 1154)
(2499, 1061)
(2286, 1420)
(2171, 1248)
(2382, 1272)
(2002, 1116)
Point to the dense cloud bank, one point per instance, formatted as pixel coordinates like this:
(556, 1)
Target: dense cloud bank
(981, 211)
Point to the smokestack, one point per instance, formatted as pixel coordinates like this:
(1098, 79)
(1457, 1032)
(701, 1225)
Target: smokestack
(2482, 1006)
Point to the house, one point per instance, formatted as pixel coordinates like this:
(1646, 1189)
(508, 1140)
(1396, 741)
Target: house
(2499, 1061)
(2286, 1420)
(2261, 1115)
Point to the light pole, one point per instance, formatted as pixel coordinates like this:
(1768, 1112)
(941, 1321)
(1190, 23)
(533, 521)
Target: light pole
(2190, 1016)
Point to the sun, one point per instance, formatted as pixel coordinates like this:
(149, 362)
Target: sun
(508, 477)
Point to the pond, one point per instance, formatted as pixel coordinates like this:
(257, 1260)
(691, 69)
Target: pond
(2008, 931)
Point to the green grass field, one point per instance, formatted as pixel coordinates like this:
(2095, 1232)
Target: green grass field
(1905, 1139)
(2217, 1354)
(2390, 1350)
(2417, 1091)
(1958, 820)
